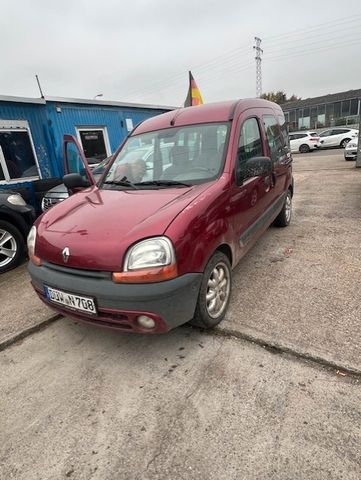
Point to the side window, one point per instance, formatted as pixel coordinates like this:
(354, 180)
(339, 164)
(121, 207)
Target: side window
(274, 137)
(284, 129)
(249, 146)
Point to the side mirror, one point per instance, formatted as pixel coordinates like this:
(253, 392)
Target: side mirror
(258, 167)
(73, 181)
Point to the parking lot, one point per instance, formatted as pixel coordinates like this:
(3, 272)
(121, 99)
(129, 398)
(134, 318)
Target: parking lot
(273, 392)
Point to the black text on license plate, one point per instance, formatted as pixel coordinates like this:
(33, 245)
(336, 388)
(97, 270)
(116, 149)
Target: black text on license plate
(70, 300)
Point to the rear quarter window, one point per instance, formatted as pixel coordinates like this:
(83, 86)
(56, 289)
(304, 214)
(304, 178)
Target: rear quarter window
(275, 138)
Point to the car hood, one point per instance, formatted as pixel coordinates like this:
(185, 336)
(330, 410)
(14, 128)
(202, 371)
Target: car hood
(58, 191)
(98, 226)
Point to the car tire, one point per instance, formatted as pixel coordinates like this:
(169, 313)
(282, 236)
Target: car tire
(217, 281)
(15, 241)
(304, 148)
(344, 142)
(284, 217)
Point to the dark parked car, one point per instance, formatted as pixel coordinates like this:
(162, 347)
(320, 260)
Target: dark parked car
(16, 218)
(60, 192)
(152, 244)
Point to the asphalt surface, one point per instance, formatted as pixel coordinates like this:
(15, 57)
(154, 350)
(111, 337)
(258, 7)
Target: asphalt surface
(83, 403)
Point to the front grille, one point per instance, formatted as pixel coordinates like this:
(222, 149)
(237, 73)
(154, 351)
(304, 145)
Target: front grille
(49, 202)
(77, 271)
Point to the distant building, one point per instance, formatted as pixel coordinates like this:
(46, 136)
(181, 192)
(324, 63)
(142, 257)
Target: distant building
(327, 111)
(32, 130)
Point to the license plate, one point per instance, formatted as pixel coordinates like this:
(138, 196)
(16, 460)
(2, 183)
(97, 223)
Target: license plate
(69, 300)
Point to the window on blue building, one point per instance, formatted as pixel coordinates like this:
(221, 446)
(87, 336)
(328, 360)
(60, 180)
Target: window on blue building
(17, 159)
(95, 143)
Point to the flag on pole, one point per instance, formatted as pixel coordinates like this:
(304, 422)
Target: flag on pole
(194, 96)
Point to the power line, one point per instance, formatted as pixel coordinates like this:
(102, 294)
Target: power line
(331, 24)
(228, 61)
(318, 34)
(314, 50)
(311, 43)
(226, 57)
(164, 84)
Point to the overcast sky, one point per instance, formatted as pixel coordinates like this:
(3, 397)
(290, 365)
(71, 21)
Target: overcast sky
(141, 50)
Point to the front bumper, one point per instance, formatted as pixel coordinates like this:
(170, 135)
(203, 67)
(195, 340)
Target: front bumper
(170, 303)
(350, 155)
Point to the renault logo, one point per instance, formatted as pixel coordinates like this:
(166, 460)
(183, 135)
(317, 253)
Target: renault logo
(66, 254)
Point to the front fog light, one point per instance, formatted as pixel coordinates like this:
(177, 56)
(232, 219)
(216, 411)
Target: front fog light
(146, 322)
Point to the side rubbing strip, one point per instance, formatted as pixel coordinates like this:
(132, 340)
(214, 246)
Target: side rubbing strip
(262, 221)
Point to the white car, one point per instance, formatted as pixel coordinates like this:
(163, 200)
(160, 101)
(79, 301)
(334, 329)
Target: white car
(337, 137)
(350, 152)
(304, 142)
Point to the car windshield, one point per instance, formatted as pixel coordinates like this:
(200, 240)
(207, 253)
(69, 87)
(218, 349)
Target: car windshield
(178, 156)
(100, 168)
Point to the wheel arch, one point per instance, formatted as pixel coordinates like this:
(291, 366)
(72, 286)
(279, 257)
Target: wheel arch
(345, 140)
(16, 221)
(226, 250)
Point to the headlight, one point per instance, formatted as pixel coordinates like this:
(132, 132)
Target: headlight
(31, 246)
(149, 261)
(351, 145)
(150, 253)
(16, 199)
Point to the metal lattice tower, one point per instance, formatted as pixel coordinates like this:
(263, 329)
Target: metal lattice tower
(259, 51)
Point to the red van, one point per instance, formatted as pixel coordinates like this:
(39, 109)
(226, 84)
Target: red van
(152, 244)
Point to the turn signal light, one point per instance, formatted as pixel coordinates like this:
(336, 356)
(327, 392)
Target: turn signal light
(149, 275)
(36, 260)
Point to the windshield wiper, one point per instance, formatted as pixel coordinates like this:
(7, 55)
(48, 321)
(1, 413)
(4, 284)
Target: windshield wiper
(164, 183)
(124, 182)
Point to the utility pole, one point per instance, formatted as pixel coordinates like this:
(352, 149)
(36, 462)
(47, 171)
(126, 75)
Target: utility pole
(259, 51)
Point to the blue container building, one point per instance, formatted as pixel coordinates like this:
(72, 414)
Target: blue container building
(32, 130)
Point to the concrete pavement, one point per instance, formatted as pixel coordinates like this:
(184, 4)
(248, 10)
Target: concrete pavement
(83, 403)
(20, 310)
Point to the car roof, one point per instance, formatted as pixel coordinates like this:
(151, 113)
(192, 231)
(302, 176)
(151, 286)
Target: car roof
(206, 113)
(304, 131)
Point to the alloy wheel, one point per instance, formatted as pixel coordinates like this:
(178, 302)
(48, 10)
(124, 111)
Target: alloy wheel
(8, 247)
(218, 290)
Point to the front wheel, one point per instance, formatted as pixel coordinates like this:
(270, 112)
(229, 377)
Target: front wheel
(284, 217)
(12, 246)
(214, 293)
